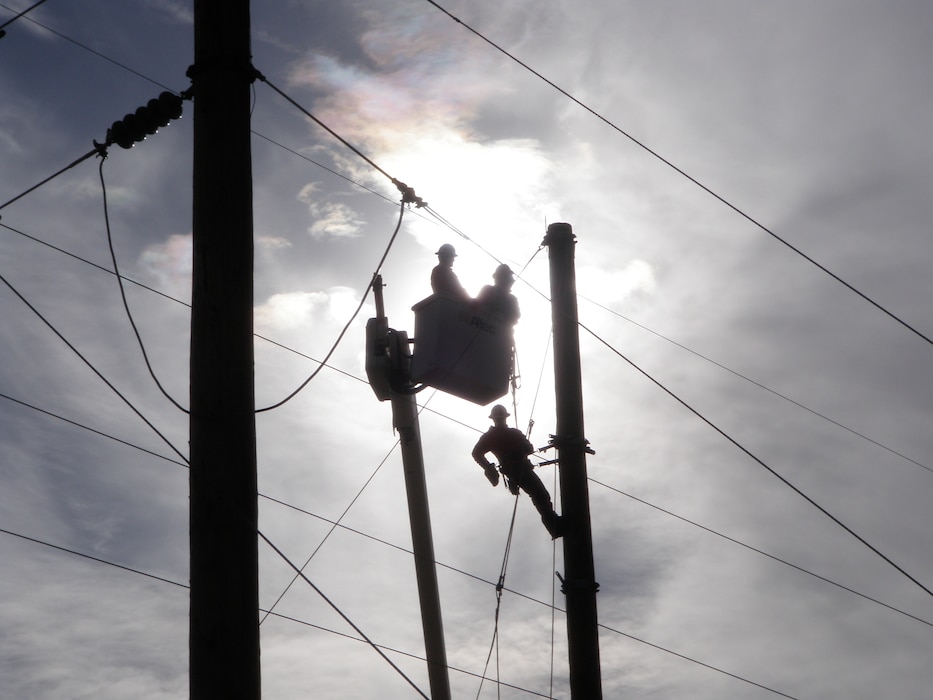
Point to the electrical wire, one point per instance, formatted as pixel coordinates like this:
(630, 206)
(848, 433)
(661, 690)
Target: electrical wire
(338, 523)
(21, 14)
(93, 152)
(759, 551)
(696, 182)
(343, 332)
(518, 276)
(126, 304)
(760, 462)
(93, 368)
(92, 558)
(90, 429)
(185, 586)
(334, 525)
(408, 194)
(89, 49)
(760, 385)
(695, 661)
(343, 615)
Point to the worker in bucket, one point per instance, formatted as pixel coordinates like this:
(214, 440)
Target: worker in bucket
(512, 448)
(497, 298)
(443, 278)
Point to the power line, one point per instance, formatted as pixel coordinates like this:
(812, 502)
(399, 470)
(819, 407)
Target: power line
(359, 379)
(93, 430)
(92, 558)
(759, 551)
(760, 385)
(97, 150)
(337, 523)
(343, 332)
(759, 461)
(408, 193)
(378, 648)
(89, 49)
(343, 615)
(13, 19)
(695, 661)
(696, 182)
(126, 304)
(92, 367)
(185, 586)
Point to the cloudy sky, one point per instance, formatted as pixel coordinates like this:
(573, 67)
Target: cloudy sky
(716, 579)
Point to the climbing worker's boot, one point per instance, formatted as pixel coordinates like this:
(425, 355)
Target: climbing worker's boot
(554, 524)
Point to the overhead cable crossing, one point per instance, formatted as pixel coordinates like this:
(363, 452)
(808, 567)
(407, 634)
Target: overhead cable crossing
(365, 639)
(93, 368)
(760, 462)
(338, 524)
(21, 14)
(689, 177)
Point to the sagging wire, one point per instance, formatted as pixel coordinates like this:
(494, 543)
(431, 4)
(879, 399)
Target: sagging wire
(346, 327)
(126, 304)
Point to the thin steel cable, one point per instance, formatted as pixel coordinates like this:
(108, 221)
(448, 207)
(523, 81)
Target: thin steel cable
(185, 586)
(341, 613)
(92, 430)
(334, 525)
(695, 661)
(93, 368)
(360, 533)
(93, 152)
(126, 303)
(92, 558)
(696, 182)
(13, 19)
(500, 586)
(760, 462)
(337, 523)
(759, 551)
(760, 385)
(96, 53)
(324, 126)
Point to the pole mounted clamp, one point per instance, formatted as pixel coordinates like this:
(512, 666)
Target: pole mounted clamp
(563, 443)
(576, 585)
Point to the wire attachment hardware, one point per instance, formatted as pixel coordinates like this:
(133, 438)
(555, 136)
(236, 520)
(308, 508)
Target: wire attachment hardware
(565, 443)
(408, 194)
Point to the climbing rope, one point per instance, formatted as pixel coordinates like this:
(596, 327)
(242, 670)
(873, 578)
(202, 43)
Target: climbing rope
(500, 586)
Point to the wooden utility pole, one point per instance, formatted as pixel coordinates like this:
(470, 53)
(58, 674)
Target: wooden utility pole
(388, 366)
(224, 615)
(579, 581)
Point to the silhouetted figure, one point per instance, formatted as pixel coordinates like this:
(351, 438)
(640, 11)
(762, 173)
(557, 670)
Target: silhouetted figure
(511, 448)
(497, 298)
(443, 278)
